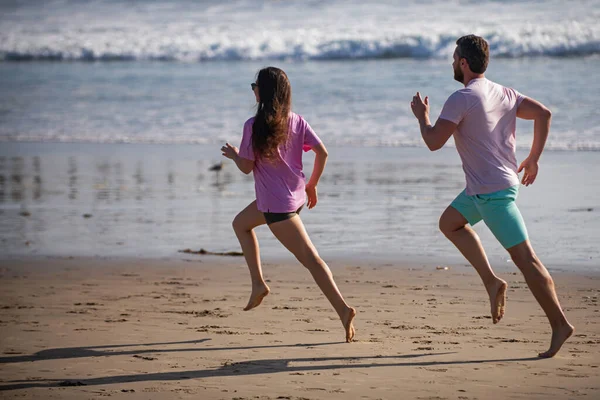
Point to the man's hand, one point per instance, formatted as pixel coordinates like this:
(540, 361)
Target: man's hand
(531, 170)
(419, 107)
(311, 193)
(230, 151)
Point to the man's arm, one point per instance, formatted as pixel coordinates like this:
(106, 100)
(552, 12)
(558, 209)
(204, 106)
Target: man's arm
(435, 136)
(243, 164)
(534, 110)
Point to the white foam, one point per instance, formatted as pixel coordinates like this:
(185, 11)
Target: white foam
(253, 30)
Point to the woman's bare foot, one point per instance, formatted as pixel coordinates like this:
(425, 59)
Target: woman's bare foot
(497, 293)
(258, 294)
(348, 325)
(559, 336)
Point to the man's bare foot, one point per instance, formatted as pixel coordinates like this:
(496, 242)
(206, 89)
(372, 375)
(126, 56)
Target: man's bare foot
(497, 293)
(348, 325)
(257, 296)
(559, 336)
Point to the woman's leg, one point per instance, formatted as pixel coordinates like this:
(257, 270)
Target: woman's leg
(293, 236)
(243, 225)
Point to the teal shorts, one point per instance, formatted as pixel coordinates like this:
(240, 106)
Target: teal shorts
(499, 212)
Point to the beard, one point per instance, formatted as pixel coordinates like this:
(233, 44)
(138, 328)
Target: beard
(458, 75)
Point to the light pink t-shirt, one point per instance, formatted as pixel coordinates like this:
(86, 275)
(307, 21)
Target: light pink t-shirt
(486, 114)
(280, 186)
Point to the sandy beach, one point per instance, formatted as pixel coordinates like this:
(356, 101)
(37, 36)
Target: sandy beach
(82, 328)
(112, 117)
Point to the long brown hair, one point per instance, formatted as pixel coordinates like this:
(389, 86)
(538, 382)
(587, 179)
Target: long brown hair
(270, 128)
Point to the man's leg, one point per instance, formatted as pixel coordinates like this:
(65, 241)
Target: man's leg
(454, 226)
(542, 286)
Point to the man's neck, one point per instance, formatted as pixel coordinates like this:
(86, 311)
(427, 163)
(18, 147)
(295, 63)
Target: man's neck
(469, 78)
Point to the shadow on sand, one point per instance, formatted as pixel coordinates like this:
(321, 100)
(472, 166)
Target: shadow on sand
(105, 351)
(252, 367)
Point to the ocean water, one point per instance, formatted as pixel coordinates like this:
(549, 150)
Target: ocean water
(358, 103)
(179, 71)
(117, 109)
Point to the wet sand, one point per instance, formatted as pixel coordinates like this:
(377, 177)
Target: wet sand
(74, 328)
(149, 201)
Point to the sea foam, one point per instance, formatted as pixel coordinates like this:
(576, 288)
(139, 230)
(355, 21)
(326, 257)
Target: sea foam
(259, 30)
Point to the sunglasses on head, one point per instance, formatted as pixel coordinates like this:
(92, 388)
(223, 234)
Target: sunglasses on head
(253, 85)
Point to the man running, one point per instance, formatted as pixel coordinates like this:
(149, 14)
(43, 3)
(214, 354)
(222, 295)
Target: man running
(482, 117)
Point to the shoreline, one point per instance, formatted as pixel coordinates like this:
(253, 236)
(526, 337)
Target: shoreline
(216, 144)
(334, 261)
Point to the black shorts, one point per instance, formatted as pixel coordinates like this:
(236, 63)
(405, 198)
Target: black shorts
(271, 218)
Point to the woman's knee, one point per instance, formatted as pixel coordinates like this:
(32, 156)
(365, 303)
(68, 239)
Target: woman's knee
(238, 223)
(310, 258)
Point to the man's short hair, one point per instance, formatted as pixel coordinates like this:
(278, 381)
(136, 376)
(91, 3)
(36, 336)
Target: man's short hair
(475, 50)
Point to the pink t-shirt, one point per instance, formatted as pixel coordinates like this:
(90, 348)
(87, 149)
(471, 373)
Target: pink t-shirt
(486, 114)
(280, 186)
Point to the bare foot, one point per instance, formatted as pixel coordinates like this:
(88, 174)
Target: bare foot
(257, 296)
(348, 325)
(559, 336)
(497, 293)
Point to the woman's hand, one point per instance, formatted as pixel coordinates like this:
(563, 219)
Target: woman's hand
(230, 151)
(311, 193)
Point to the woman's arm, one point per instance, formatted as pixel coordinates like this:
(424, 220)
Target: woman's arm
(320, 161)
(243, 164)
